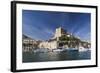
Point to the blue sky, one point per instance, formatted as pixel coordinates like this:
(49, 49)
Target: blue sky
(41, 25)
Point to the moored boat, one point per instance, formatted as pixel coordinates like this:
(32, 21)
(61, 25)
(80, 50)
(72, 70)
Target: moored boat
(82, 49)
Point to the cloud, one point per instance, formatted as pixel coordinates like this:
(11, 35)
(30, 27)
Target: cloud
(84, 33)
(42, 24)
(36, 33)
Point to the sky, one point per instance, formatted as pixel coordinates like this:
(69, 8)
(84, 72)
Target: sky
(41, 25)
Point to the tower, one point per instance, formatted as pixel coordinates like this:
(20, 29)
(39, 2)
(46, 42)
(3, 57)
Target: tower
(59, 32)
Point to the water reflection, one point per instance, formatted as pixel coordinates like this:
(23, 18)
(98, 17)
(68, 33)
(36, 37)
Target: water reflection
(55, 56)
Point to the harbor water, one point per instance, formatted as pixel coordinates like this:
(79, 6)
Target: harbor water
(55, 56)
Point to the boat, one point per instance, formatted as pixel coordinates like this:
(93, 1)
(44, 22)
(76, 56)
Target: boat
(65, 49)
(57, 50)
(82, 49)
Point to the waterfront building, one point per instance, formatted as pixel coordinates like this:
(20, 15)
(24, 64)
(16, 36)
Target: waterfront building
(61, 39)
(48, 44)
(29, 43)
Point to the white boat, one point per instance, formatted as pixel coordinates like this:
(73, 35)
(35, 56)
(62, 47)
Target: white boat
(57, 50)
(65, 49)
(82, 49)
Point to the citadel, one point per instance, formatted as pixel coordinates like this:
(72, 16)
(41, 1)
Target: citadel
(61, 39)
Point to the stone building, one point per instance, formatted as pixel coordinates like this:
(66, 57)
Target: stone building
(29, 43)
(69, 41)
(48, 44)
(55, 42)
(61, 39)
